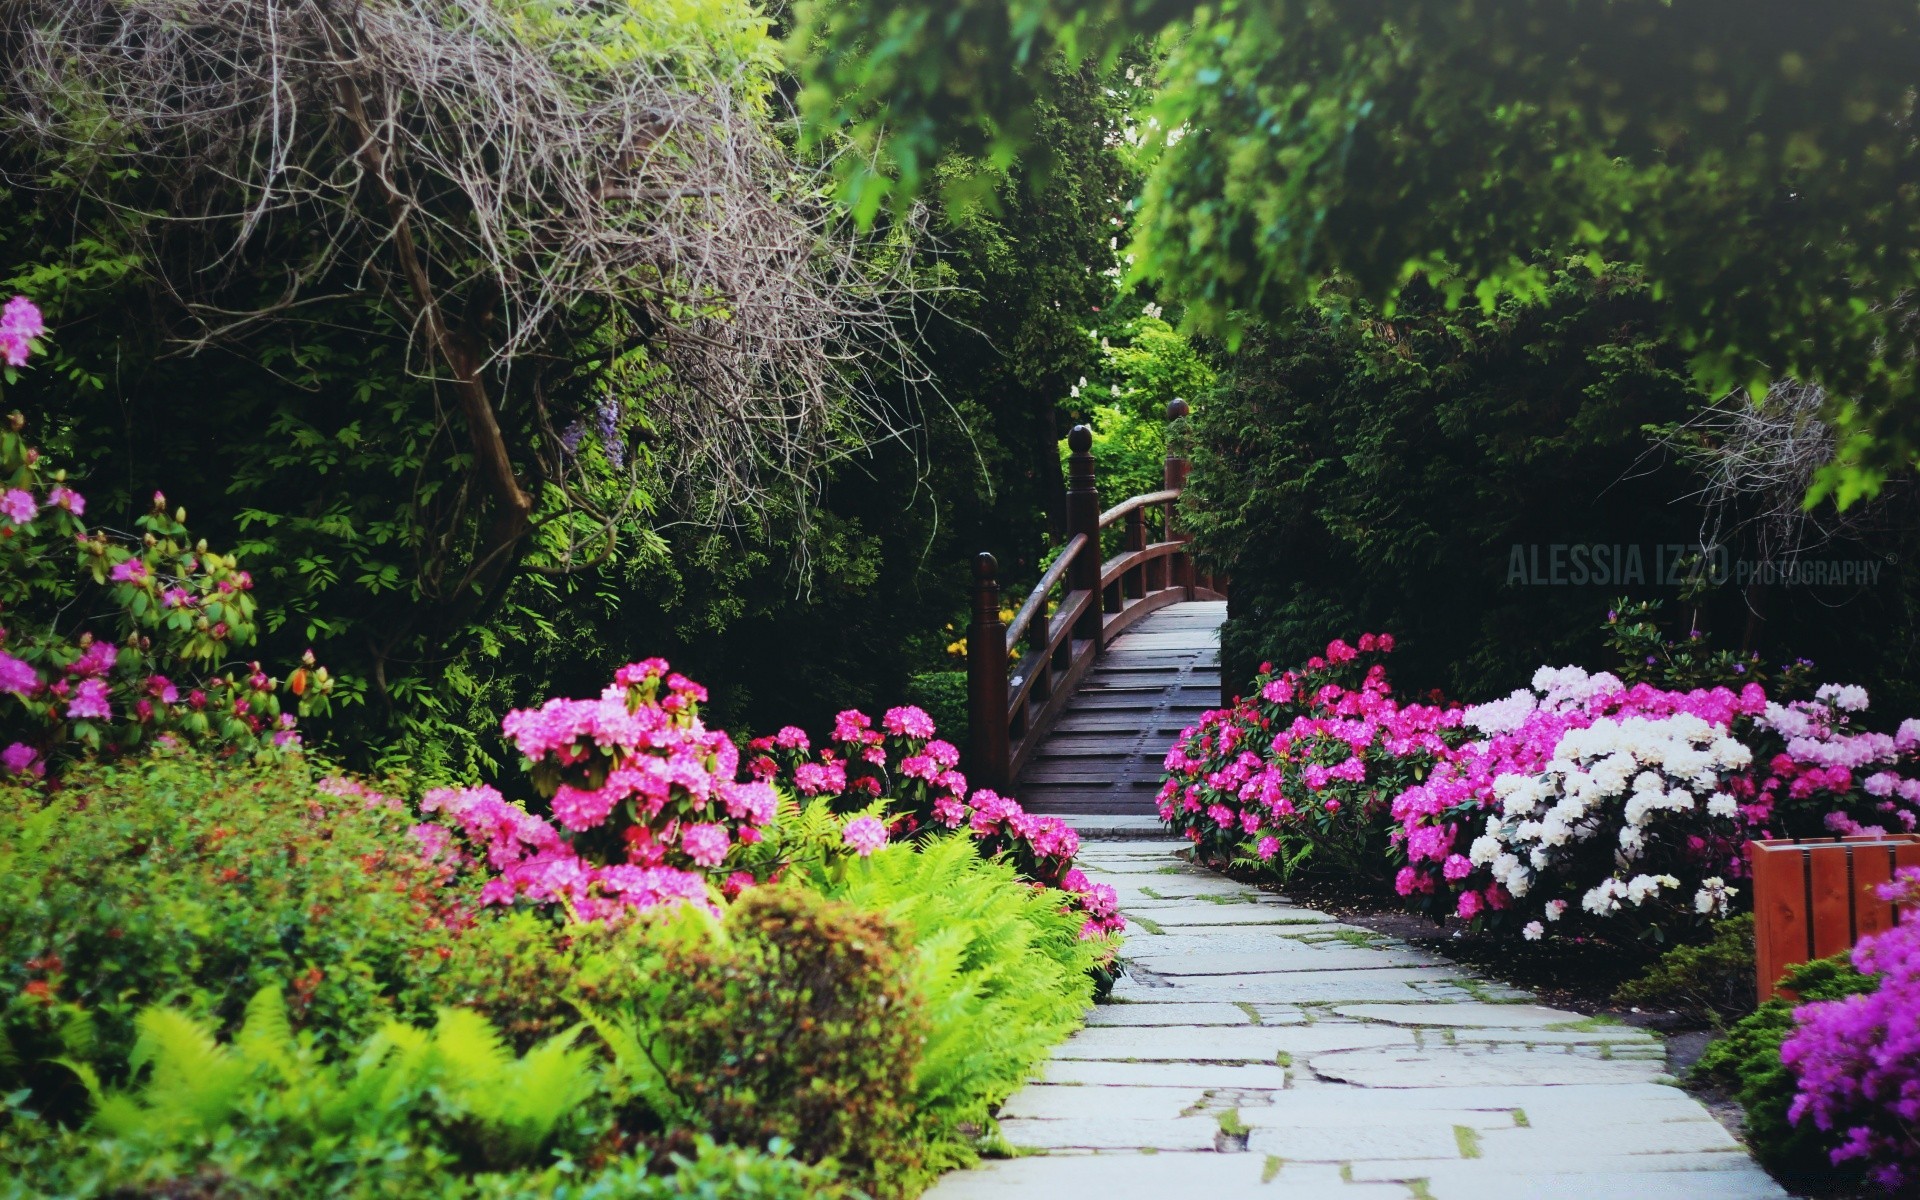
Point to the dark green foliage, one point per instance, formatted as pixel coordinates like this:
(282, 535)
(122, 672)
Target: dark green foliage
(1359, 473)
(180, 881)
(1414, 474)
(1713, 980)
(1746, 1062)
(944, 695)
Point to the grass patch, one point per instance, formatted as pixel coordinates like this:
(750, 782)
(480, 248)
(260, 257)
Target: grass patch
(1232, 1125)
(1253, 1014)
(1283, 1059)
(1469, 1139)
(1145, 924)
(1521, 1120)
(1271, 1168)
(1587, 1025)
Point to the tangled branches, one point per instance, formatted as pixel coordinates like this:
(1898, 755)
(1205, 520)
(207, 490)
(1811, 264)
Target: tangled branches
(569, 212)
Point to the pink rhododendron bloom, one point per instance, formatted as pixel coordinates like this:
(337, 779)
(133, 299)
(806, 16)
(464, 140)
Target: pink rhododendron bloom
(1266, 848)
(706, 845)
(852, 725)
(22, 759)
(18, 506)
(96, 660)
(908, 721)
(20, 324)
(61, 496)
(791, 737)
(864, 835)
(17, 676)
(949, 812)
(89, 701)
(133, 570)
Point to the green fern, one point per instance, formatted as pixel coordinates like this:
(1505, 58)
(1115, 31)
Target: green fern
(1002, 971)
(491, 1107)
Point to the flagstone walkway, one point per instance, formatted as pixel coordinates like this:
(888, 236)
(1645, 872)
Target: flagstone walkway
(1260, 1049)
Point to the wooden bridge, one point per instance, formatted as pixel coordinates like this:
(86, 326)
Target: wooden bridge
(1075, 701)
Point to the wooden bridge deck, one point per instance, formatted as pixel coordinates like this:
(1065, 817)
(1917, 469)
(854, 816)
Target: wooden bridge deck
(1102, 756)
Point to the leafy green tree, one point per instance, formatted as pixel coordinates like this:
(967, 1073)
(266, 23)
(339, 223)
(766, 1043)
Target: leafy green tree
(1758, 160)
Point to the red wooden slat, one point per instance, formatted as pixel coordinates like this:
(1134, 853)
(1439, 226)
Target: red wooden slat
(1832, 907)
(1779, 920)
(1872, 866)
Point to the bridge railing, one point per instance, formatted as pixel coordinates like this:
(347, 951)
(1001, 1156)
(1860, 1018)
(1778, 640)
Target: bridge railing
(1021, 673)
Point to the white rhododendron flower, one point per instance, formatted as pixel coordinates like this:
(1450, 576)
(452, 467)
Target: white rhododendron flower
(1534, 931)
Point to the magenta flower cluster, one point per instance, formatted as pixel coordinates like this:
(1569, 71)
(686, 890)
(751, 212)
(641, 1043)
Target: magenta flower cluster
(1580, 798)
(901, 764)
(637, 764)
(20, 326)
(1856, 1061)
(177, 611)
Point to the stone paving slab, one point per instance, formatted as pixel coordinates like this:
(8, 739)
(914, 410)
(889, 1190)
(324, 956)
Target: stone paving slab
(1058, 1102)
(1346, 1066)
(1217, 1043)
(1143, 1013)
(1285, 956)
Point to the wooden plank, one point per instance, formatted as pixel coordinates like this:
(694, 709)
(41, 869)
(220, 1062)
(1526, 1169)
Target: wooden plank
(1779, 916)
(1832, 899)
(1872, 866)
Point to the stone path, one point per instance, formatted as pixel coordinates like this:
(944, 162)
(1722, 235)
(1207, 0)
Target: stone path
(1260, 1049)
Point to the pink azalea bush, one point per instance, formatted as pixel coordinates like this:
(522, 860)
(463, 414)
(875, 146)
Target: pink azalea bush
(1582, 803)
(1856, 1061)
(649, 807)
(645, 800)
(1301, 771)
(901, 767)
(154, 663)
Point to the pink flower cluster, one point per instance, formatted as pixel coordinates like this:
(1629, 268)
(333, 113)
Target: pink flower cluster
(1824, 777)
(637, 761)
(1856, 1061)
(903, 764)
(20, 325)
(1305, 766)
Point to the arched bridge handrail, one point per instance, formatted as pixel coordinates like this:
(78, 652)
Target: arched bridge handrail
(1011, 713)
(1037, 598)
(1164, 496)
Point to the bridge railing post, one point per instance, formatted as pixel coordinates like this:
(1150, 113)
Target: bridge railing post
(1136, 578)
(987, 679)
(1083, 517)
(1175, 471)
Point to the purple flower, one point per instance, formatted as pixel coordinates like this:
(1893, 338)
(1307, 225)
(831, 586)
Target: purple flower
(90, 701)
(20, 323)
(65, 497)
(17, 677)
(22, 759)
(18, 506)
(865, 835)
(131, 571)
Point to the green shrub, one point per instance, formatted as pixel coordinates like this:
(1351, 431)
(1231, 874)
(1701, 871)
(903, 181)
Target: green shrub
(1002, 972)
(795, 1019)
(1746, 1062)
(182, 881)
(1714, 981)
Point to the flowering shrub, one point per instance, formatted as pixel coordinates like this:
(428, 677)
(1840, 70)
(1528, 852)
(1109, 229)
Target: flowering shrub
(1825, 778)
(645, 801)
(1301, 773)
(905, 772)
(1857, 1060)
(1582, 802)
(155, 665)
